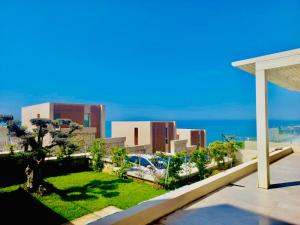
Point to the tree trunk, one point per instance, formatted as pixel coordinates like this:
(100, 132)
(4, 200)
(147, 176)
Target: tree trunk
(33, 174)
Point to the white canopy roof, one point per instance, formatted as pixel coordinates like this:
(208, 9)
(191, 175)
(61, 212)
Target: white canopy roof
(282, 68)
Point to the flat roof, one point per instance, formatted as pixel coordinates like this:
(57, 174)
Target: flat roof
(286, 76)
(143, 121)
(62, 103)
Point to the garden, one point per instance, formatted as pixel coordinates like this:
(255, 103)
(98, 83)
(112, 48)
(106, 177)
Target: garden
(67, 188)
(77, 194)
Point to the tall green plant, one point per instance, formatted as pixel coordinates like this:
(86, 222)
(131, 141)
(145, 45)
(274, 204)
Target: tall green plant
(201, 158)
(97, 151)
(174, 164)
(217, 151)
(119, 158)
(232, 147)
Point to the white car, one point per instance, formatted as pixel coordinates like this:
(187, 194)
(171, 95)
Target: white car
(147, 164)
(152, 164)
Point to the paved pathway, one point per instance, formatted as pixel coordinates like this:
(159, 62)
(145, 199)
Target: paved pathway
(94, 216)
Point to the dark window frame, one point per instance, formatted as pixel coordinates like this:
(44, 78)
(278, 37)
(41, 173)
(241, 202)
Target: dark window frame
(136, 136)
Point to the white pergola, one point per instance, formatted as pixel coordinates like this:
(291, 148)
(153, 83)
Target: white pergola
(283, 69)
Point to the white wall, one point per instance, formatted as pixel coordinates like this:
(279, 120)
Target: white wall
(31, 112)
(126, 129)
(185, 134)
(178, 146)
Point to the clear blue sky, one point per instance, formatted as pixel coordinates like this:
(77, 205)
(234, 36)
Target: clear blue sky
(144, 59)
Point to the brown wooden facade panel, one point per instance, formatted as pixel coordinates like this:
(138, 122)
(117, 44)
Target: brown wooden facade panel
(202, 138)
(75, 112)
(69, 111)
(198, 137)
(158, 136)
(96, 119)
(159, 142)
(195, 138)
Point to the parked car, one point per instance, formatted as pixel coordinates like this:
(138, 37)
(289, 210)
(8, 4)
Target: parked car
(147, 164)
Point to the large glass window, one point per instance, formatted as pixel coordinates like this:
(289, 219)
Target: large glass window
(86, 120)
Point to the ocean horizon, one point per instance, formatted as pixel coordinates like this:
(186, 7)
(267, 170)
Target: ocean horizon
(241, 128)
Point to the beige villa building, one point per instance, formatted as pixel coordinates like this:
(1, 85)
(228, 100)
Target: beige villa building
(157, 133)
(91, 117)
(160, 135)
(193, 137)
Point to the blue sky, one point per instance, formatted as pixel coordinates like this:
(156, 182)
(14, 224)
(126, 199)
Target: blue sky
(144, 59)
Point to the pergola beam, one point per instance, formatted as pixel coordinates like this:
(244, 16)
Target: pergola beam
(283, 69)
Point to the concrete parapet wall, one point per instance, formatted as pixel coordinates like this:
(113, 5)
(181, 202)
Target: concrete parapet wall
(251, 145)
(191, 148)
(178, 146)
(139, 149)
(151, 210)
(116, 141)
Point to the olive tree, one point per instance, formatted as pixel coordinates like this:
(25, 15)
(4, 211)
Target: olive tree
(35, 148)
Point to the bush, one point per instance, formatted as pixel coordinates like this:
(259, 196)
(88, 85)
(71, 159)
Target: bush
(217, 151)
(215, 172)
(232, 147)
(201, 158)
(97, 151)
(173, 167)
(11, 149)
(64, 152)
(120, 159)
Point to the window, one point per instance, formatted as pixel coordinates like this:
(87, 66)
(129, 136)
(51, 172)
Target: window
(159, 163)
(144, 162)
(38, 116)
(166, 136)
(133, 159)
(136, 136)
(86, 120)
(56, 116)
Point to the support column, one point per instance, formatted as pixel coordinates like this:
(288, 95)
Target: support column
(263, 167)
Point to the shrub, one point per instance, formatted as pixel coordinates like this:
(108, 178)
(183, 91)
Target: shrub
(97, 151)
(201, 158)
(65, 151)
(215, 172)
(173, 167)
(118, 155)
(11, 149)
(217, 152)
(231, 149)
(120, 159)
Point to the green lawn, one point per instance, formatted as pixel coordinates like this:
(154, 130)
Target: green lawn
(81, 193)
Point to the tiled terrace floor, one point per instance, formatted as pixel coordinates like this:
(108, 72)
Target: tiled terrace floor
(243, 203)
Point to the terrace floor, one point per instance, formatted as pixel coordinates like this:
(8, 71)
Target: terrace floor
(243, 203)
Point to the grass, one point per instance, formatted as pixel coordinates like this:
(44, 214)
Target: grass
(78, 194)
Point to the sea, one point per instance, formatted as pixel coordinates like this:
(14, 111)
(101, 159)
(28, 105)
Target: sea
(215, 129)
